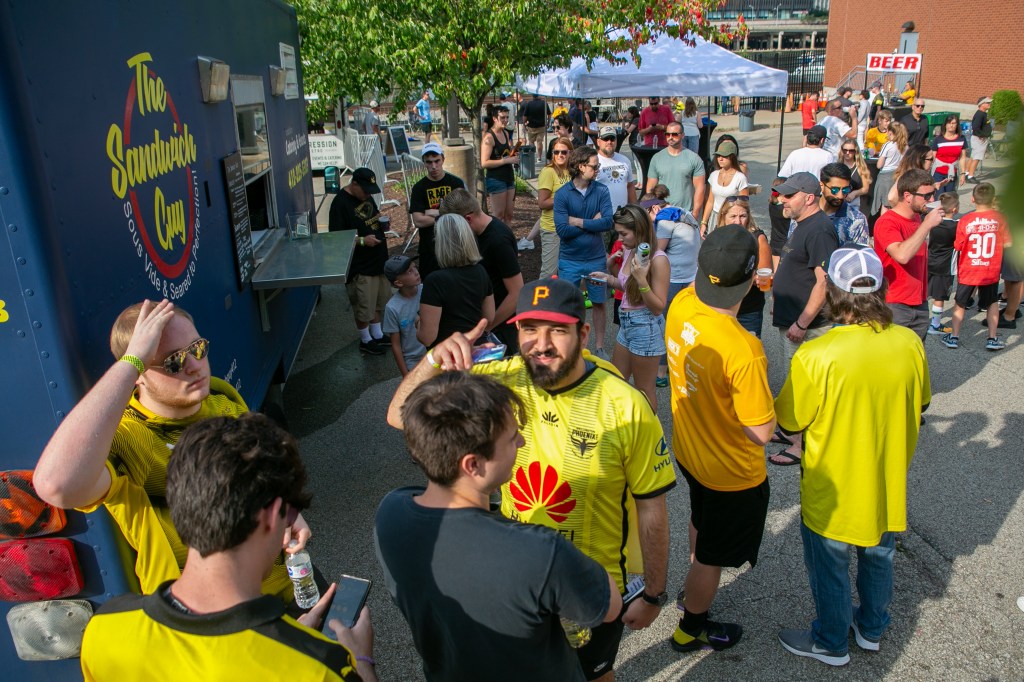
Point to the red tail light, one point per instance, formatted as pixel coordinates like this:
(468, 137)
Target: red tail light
(22, 513)
(39, 569)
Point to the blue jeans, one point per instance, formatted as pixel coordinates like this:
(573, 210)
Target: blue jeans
(692, 142)
(752, 322)
(828, 568)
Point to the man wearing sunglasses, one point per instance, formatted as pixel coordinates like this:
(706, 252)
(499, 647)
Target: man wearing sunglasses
(680, 170)
(901, 237)
(114, 446)
(916, 124)
(851, 225)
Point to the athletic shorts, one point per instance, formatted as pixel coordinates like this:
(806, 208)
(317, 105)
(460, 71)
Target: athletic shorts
(575, 271)
(497, 185)
(427, 127)
(987, 294)
(1012, 271)
(729, 524)
(641, 332)
(368, 294)
(939, 287)
(978, 147)
(597, 657)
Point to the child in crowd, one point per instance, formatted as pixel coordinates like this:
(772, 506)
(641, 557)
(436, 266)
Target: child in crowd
(980, 237)
(940, 261)
(401, 314)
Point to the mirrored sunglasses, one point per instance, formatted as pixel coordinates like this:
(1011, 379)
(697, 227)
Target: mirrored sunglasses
(175, 362)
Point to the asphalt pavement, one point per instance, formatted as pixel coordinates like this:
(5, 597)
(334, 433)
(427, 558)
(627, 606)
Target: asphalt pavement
(957, 572)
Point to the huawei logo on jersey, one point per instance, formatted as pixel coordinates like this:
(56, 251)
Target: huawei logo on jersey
(538, 486)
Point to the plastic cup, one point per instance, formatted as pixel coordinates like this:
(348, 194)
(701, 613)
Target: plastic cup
(764, 279)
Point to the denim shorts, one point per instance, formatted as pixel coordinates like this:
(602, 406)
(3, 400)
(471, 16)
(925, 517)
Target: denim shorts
(575, 271)
(641, 332)
(497, 185)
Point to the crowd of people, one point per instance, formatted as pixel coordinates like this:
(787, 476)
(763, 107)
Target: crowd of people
(565, 433)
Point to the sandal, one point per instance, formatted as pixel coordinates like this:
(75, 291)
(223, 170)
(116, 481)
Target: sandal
(780, 437)
(786, 454)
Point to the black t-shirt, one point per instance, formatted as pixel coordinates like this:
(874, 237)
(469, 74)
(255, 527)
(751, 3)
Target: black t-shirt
(917, 131)
(348, 213)
(483, 594)
(535, 113)
(940, 247)
(810, 247)
(754, 300)
(780, 227)
(981, 124)
(877, 104)
(500, 256)
(424, 195)
(459, 293)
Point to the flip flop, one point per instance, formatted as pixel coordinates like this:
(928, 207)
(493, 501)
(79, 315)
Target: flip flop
(793, 459)
(780, 437)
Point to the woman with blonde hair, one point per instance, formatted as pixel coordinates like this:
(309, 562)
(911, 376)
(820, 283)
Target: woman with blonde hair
(644, 282)
(860, 175)
(552, 176)
(888, 160)
(455, 297)
(736, 211)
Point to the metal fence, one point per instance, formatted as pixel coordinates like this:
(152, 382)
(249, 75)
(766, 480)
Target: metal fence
(806, 68)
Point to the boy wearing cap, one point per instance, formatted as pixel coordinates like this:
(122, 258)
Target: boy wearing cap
(425, 202)
(401, 314)
(354, 208)
(594, 449)
(722, 417)
(616, 171)
(861, 428)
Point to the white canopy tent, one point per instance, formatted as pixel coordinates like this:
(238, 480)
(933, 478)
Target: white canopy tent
(668, 67)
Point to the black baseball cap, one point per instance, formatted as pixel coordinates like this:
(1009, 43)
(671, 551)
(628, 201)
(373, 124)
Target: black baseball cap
(551, 299)
(366, 179)
(818, 131)
(725, 266)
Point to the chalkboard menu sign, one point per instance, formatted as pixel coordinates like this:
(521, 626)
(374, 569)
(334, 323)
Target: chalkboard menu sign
(399, 142)
(239, 209)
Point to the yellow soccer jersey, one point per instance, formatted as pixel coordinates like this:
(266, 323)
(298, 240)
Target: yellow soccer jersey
(719, 378)
(588, 448)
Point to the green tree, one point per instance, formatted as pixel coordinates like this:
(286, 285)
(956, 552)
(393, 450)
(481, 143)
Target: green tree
(467, 48)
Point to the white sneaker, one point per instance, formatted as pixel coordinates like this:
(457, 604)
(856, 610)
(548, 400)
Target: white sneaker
(524, 244)
(1020, 603)
(862, 641)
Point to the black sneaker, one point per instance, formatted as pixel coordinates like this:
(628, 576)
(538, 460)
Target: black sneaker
(1003, 323)
(717, 636)
(374, 347)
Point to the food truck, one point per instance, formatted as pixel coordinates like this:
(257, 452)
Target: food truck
(147, 150)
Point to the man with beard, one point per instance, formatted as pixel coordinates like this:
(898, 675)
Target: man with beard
(595, 466)
(851, 224)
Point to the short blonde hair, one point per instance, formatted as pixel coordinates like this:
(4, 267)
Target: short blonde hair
(454, 242)
(124, 327)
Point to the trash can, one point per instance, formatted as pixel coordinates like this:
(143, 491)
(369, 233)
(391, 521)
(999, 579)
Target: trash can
(528, 161)
(746, 120)
(332, 180)
(935, 120)
(706, 131)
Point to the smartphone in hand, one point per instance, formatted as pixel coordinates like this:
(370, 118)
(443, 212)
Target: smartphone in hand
(349, 599)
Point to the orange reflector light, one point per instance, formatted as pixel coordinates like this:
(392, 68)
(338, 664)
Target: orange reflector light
(22, 513)
(49, 630)
(31, 570)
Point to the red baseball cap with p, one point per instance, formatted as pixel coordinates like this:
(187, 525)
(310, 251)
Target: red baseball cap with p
(552, 300)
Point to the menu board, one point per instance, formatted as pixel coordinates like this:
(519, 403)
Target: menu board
(238, 207)
(399, 142)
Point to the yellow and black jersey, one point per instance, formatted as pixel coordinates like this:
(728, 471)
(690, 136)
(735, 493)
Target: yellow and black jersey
(133, 637)
(590, 448)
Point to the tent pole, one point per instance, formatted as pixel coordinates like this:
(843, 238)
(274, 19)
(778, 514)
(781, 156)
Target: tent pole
(782, 123)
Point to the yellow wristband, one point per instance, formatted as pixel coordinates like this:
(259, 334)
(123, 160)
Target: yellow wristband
(134, 361)
(431, 362)
(644, 290)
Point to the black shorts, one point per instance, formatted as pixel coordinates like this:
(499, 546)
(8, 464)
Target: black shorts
(598, 656)
(939, 287)
(729, 524)
(987, 294)
(1012, 270)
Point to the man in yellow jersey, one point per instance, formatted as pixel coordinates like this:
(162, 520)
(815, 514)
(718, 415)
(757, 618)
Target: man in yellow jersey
(861, 428)
(113, 448)
(722, 416)
(595, 466)
(234, 487)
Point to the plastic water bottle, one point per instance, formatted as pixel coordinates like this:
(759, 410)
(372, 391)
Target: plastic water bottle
(643, 254)
(577, 635)
(300, 570)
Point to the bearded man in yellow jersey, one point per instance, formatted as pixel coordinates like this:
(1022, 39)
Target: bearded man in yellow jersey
(861, 428)
(722, 416)
(113, 448)
(595, 466)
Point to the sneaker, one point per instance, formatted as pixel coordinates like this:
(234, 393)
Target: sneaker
(801, 643)
(951, 341)
(994, 343)
(716, 636)
(942, 330)
(586, 301)
(374, 347)
(661, 382)
(1006, 324)
(602, 353)
(865, 643)
(524, 244)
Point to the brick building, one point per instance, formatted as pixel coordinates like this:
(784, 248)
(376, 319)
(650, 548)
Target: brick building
(968, 49)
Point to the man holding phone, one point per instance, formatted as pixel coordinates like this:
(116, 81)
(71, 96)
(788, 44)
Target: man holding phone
(463, 575)
(234, 487)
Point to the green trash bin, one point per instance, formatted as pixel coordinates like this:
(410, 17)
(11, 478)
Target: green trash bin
(935, 120)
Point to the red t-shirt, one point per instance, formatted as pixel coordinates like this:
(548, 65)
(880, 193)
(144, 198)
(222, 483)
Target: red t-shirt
(809, 108)
(980, 236)
(907, 282)
(663, 116)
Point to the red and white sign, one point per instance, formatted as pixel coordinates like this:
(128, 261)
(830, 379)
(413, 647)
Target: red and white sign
(897, 63)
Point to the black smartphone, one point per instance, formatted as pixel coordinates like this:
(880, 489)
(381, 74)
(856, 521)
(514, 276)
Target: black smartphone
(349, 599)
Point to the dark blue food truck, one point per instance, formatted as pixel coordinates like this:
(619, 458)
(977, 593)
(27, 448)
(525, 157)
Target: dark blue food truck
(147, 150)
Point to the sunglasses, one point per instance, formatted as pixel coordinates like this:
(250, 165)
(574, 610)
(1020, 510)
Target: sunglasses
(847, 150)
(673, 134)
(175, 362)
(740, 197)
(559, 152)
(836, 190)
(927, 195)
(593, 166)
(919, 106)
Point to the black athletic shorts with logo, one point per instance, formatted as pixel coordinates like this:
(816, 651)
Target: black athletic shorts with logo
(597, 657)
(729, 524)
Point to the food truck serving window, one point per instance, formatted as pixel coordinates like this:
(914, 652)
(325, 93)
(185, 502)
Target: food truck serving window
(253, 132)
